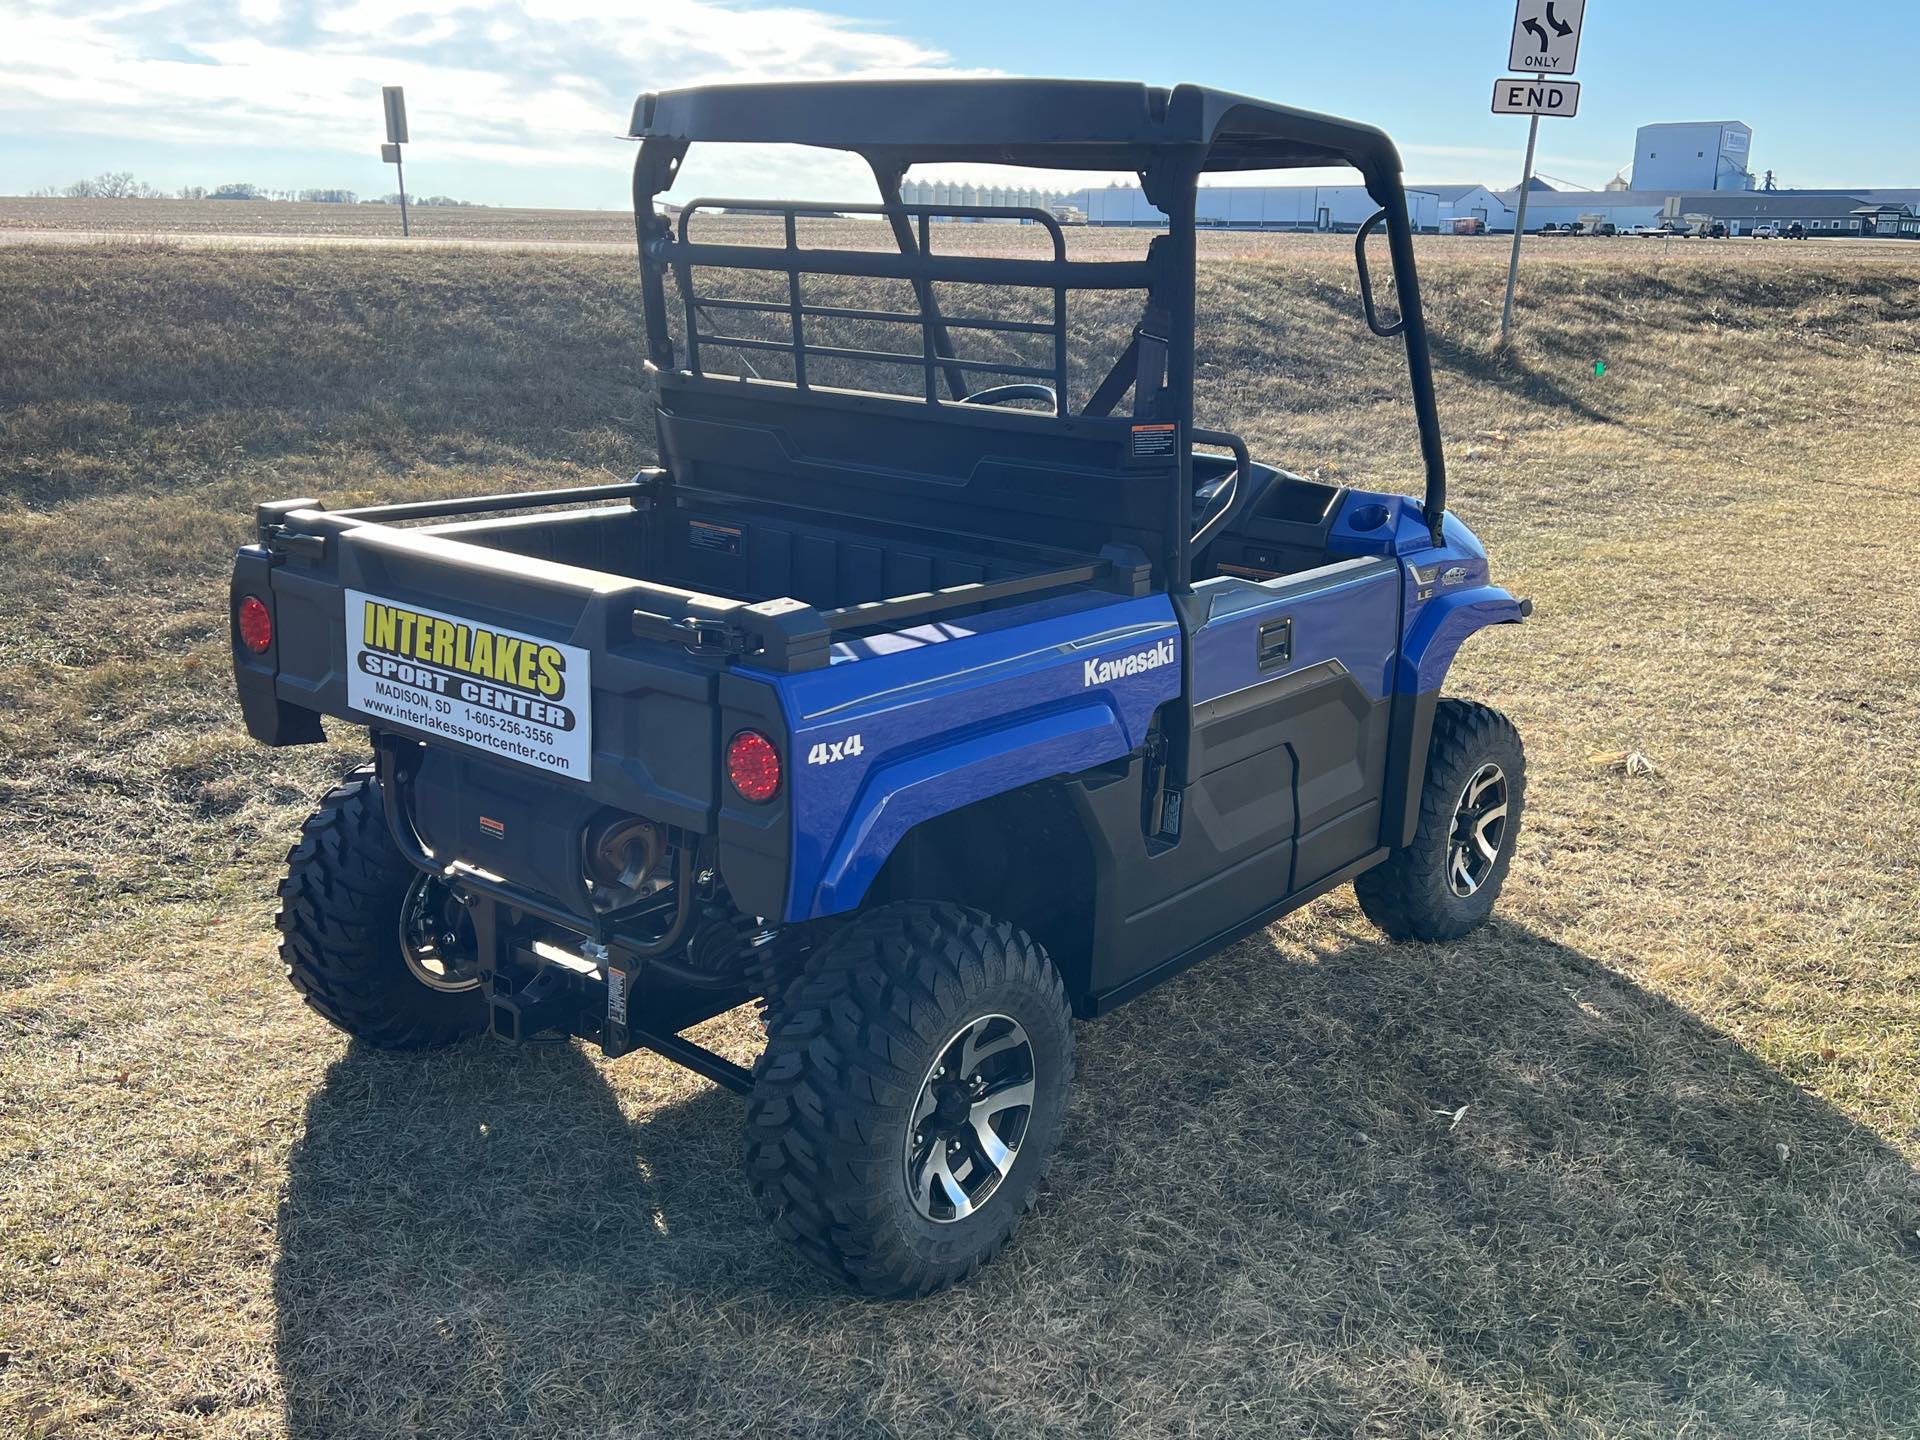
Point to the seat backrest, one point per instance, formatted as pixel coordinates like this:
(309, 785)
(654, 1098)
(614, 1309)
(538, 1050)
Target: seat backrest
(1063, 484)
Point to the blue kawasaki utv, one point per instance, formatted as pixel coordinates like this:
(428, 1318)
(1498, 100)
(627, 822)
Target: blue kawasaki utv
(941, 685)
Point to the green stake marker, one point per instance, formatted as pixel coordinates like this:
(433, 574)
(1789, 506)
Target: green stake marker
(1599, 368)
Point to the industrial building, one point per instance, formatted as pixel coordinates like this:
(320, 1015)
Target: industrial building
(1696, 169)
(1818, 212)
(943, 192)
(1693, 155)
(1254, 207)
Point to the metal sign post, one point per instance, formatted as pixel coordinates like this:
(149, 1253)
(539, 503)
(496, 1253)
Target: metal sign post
(1546, 41)
(1519, 229)
(393, 98)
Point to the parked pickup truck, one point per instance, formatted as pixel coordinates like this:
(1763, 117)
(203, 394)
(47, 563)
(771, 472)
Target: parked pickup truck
(930, 691)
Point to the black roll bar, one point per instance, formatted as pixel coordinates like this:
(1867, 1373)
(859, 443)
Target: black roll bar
(1392, 199)
(938, 342)
(1170, 180)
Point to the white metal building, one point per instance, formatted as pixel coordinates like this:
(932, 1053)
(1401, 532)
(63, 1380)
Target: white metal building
(1470, 202)
(1692, 156)
(1256, 207)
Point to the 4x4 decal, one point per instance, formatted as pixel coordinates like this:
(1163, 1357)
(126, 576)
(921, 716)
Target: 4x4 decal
(828, 751)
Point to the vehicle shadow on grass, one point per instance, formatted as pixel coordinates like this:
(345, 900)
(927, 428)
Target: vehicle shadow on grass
(456, 1222)
(1510, 373)
(1493, 1185)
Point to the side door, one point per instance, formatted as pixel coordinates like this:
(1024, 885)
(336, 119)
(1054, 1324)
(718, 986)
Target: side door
(1273, 776)
(1290, 703)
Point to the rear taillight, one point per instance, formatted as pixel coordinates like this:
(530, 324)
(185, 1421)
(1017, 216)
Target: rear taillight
(753, 765)
(256, 625)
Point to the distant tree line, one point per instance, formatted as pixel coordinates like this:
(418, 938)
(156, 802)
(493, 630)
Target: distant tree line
(121, 185)
(114, 185)
(393, 198)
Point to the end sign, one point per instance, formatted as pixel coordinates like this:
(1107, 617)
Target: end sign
(1536, 97)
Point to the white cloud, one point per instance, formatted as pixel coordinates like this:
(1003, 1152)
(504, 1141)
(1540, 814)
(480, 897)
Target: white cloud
(511, 82)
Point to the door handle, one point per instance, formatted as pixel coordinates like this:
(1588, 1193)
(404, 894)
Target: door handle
(1275, 645)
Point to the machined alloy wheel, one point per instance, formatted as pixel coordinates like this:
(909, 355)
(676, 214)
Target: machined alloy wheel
(1479, 826)
(911, 1095)
(969, 1119)
(1443, 883)
(436, 938)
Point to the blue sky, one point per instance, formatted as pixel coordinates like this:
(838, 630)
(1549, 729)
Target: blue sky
(515, 102)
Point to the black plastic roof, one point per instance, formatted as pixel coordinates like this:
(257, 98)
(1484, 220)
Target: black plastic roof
(1053, 124)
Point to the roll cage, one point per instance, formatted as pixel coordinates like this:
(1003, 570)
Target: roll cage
(1170, 138)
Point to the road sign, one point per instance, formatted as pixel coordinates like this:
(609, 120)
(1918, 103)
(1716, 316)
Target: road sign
(395, 99)
(1536, 97)
(1546, 36)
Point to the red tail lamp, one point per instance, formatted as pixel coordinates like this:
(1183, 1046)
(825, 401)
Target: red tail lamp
(256, 625)
(753, 765)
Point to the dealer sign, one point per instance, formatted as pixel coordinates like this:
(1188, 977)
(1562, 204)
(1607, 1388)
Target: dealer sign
(513, 695)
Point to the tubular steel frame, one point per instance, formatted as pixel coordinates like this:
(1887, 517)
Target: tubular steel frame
(1170, 175)
(922, 268)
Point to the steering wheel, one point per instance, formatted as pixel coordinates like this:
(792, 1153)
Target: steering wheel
(1002, 394)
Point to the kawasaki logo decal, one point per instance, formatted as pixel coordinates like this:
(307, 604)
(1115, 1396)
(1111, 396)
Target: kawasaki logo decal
(1105, 672)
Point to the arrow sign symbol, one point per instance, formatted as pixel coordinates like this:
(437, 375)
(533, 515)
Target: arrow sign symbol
(1546, 36)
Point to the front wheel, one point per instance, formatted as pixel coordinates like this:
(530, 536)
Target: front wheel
(912, 1091)
(1445, 882)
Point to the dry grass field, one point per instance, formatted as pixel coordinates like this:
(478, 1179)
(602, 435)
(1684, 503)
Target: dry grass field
(1637, 1160)
(307, 222)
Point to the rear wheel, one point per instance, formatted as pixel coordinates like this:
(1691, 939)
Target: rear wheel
(1446, 881)
(910, 1097)
(378, 948)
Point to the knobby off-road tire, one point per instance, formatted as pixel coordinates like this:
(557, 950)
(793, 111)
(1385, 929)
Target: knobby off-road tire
(339, 924)
(1475, 765)
(863, 1040)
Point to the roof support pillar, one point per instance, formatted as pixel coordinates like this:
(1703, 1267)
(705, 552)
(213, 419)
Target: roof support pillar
(1173, 186)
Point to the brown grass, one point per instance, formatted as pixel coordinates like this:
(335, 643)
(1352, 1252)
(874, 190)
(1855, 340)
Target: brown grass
(1639, 1159)
(190, 218)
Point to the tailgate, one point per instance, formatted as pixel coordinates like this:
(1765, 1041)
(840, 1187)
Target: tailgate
(529, 663)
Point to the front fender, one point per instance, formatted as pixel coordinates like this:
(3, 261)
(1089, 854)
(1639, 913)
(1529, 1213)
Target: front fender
(1436, 631)
(1442, 626)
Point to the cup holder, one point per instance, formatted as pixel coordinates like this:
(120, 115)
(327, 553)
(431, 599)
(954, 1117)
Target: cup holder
(1367, 517)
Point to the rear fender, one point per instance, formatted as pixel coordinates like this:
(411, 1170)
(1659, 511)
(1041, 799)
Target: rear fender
(916, 729)
(899, 796)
